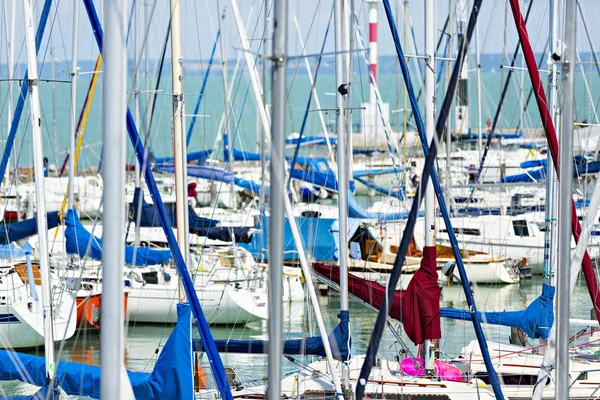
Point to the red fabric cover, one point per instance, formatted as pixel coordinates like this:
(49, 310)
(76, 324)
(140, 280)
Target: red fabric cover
(417, 307)
(192, 189)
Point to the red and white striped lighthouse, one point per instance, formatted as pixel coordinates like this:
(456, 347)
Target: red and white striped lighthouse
(373, 56)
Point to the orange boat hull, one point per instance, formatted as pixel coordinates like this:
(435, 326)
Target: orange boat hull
(88, 311)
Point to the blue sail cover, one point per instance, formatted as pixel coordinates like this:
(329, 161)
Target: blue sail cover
(474, 135)
(314, 170)
(311, 140)
(78, 238)
(339, 340)
(199, 156)
(239, 155)
(172, 377)
(581, 166)
(200, 171)
(319, 236)
(24, 229)
(149, 216)
(536, 320)
(356, 211)
(250, 186)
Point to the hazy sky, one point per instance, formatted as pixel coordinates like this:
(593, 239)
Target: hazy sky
(200, 19)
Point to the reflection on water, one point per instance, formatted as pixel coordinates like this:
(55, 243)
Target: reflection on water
(144, 342)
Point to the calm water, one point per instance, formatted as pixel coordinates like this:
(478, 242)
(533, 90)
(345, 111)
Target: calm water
(243, 123)
(143, 341)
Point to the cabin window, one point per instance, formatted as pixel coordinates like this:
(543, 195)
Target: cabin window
(520, 227)
(311, 214)
(150, 277)
(463, 200)
(511, 379)
(464, 231)
(406, 396)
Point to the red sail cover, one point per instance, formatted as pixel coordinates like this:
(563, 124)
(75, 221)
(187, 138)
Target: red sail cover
(417, 307)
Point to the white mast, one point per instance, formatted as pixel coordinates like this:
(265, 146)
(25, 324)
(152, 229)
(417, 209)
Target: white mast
(74, 56)
(550, 239)
(178, 131)
(341, 92)
(136, 99)
(10, 52)
(278, 191)
(288, 208)
(38, 171)
(479, 118)
(112, 380)
(429, 96)
(227, 144)
(564, 205)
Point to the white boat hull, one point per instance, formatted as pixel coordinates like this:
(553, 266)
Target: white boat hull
(221, 304)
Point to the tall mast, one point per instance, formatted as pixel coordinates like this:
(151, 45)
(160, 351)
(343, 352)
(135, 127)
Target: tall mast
(479, 118)
(287, 204)
(179, 147)
(278, 191)
(550, 239)
(38, 171)
(565, 186)
(429, 129)
(373, 56)
(226, 107)
(74, 57)
(342, 90)
(136, 100)
(115, 104)
(551, 243)
(405, 108)
(10, 51)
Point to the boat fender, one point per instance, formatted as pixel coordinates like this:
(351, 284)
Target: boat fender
(477, 382)
(167, 276)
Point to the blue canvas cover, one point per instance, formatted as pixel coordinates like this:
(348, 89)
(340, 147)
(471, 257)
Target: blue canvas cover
(311, 140)
(226, 234)
(149, 216)
(24, 229)
(339, 341)
(239, 155)
(200, 171)
(172, 377)
(250, 186)
(199, 156)
(536, 320)
(319, 237)
(78, 239)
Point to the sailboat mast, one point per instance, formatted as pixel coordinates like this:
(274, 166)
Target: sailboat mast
(341, 92)
(9, 61)
(38, 171)
(565, 186)
(278, 191)
(136, 99)
(479, 117)
(550, 242)
(429, 129)
(113, 172)
(74, 57)
(179, 147)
